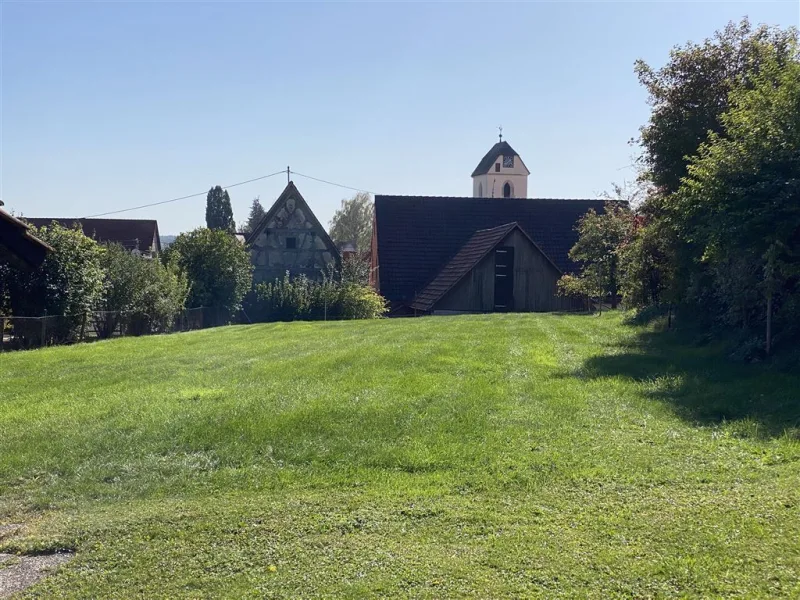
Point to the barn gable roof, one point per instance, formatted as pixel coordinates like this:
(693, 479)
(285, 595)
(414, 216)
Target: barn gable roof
(417, 235)
(471, 253)
(132, 234)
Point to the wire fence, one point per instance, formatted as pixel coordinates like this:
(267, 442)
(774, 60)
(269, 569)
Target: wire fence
(21, 333)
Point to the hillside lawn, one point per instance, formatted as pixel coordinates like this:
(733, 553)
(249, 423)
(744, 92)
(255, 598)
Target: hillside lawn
(478, 456)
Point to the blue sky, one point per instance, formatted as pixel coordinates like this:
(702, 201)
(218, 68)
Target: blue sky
(110, 105)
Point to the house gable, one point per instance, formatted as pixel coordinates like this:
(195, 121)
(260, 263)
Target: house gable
(290, 238)
(534, 288)
(467, 282)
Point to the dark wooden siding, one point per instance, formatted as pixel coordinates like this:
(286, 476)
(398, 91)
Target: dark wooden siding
(535, 280)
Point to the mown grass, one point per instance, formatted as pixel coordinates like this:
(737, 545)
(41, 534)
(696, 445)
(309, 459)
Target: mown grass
(482, 456)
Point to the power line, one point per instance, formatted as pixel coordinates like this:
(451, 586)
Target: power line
(115, 212)
(122, 210)
(347, 187)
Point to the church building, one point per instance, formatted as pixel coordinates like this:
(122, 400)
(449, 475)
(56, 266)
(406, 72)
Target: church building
(495, 251)
(501, 173)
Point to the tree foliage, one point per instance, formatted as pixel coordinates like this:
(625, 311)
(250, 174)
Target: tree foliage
(601, 239)
(217, 267)
(717, 234)
(68, 284)
(692, 91)
(257, 213)
(355, 269)
(141, 294)
(352, 222)
(219, 214)
(739, 205)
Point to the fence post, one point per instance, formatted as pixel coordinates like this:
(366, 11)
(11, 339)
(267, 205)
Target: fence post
(44, 329)
(83, 327)
(2, 334)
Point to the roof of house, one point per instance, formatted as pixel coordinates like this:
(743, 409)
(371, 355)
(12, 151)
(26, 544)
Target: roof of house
(18, 240)
(487, 162)
(417, 236)
(129, 233)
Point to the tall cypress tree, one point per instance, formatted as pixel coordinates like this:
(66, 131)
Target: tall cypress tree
(219, 214)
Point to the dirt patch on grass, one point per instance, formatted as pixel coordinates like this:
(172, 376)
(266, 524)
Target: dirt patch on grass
(20, 572)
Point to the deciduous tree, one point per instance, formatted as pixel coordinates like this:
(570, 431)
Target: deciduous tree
(217, 266)
(353, 221)
(600, 239)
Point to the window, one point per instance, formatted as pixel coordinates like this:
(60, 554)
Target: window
(507, 191)
(480, 190)
(496, 167)
(291, 243)
(508, 162)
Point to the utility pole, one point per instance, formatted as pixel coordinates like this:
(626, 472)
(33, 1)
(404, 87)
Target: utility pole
(288, 175)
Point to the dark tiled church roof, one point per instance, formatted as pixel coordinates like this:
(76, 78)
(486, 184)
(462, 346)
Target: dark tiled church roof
(417, 236)
(132, 234)
(499, 149)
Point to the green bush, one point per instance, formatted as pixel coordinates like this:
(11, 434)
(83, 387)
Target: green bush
(300, 298)
(217, 267)
(67, 286)
(141, 294)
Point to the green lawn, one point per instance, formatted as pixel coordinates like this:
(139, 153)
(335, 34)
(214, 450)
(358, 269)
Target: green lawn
(481, 456)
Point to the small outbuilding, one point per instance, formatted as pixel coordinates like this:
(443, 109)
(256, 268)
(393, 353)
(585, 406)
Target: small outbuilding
(498, 270)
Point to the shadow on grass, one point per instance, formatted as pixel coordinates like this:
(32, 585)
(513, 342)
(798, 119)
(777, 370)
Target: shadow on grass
(703, 384)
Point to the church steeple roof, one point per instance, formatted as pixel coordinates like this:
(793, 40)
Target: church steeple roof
(499, 149)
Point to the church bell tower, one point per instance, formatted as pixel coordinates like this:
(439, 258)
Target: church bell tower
(500, 174)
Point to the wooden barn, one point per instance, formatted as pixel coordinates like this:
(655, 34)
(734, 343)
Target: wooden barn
(438, 255)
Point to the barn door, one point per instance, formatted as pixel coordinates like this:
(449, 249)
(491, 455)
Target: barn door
(504, 278)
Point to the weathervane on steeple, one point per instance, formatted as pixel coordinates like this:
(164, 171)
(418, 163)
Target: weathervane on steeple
(501, 132)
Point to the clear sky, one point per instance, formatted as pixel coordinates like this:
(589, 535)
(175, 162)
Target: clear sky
(110, 105)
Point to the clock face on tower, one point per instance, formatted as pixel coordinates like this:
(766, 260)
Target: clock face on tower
(508, 162)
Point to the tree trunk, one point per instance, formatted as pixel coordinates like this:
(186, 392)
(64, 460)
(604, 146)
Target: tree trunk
(613, 282)
(769, 324)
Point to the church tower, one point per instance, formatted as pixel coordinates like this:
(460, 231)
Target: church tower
(500, 174)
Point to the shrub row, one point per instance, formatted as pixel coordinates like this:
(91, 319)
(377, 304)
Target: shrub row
(300, 298)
